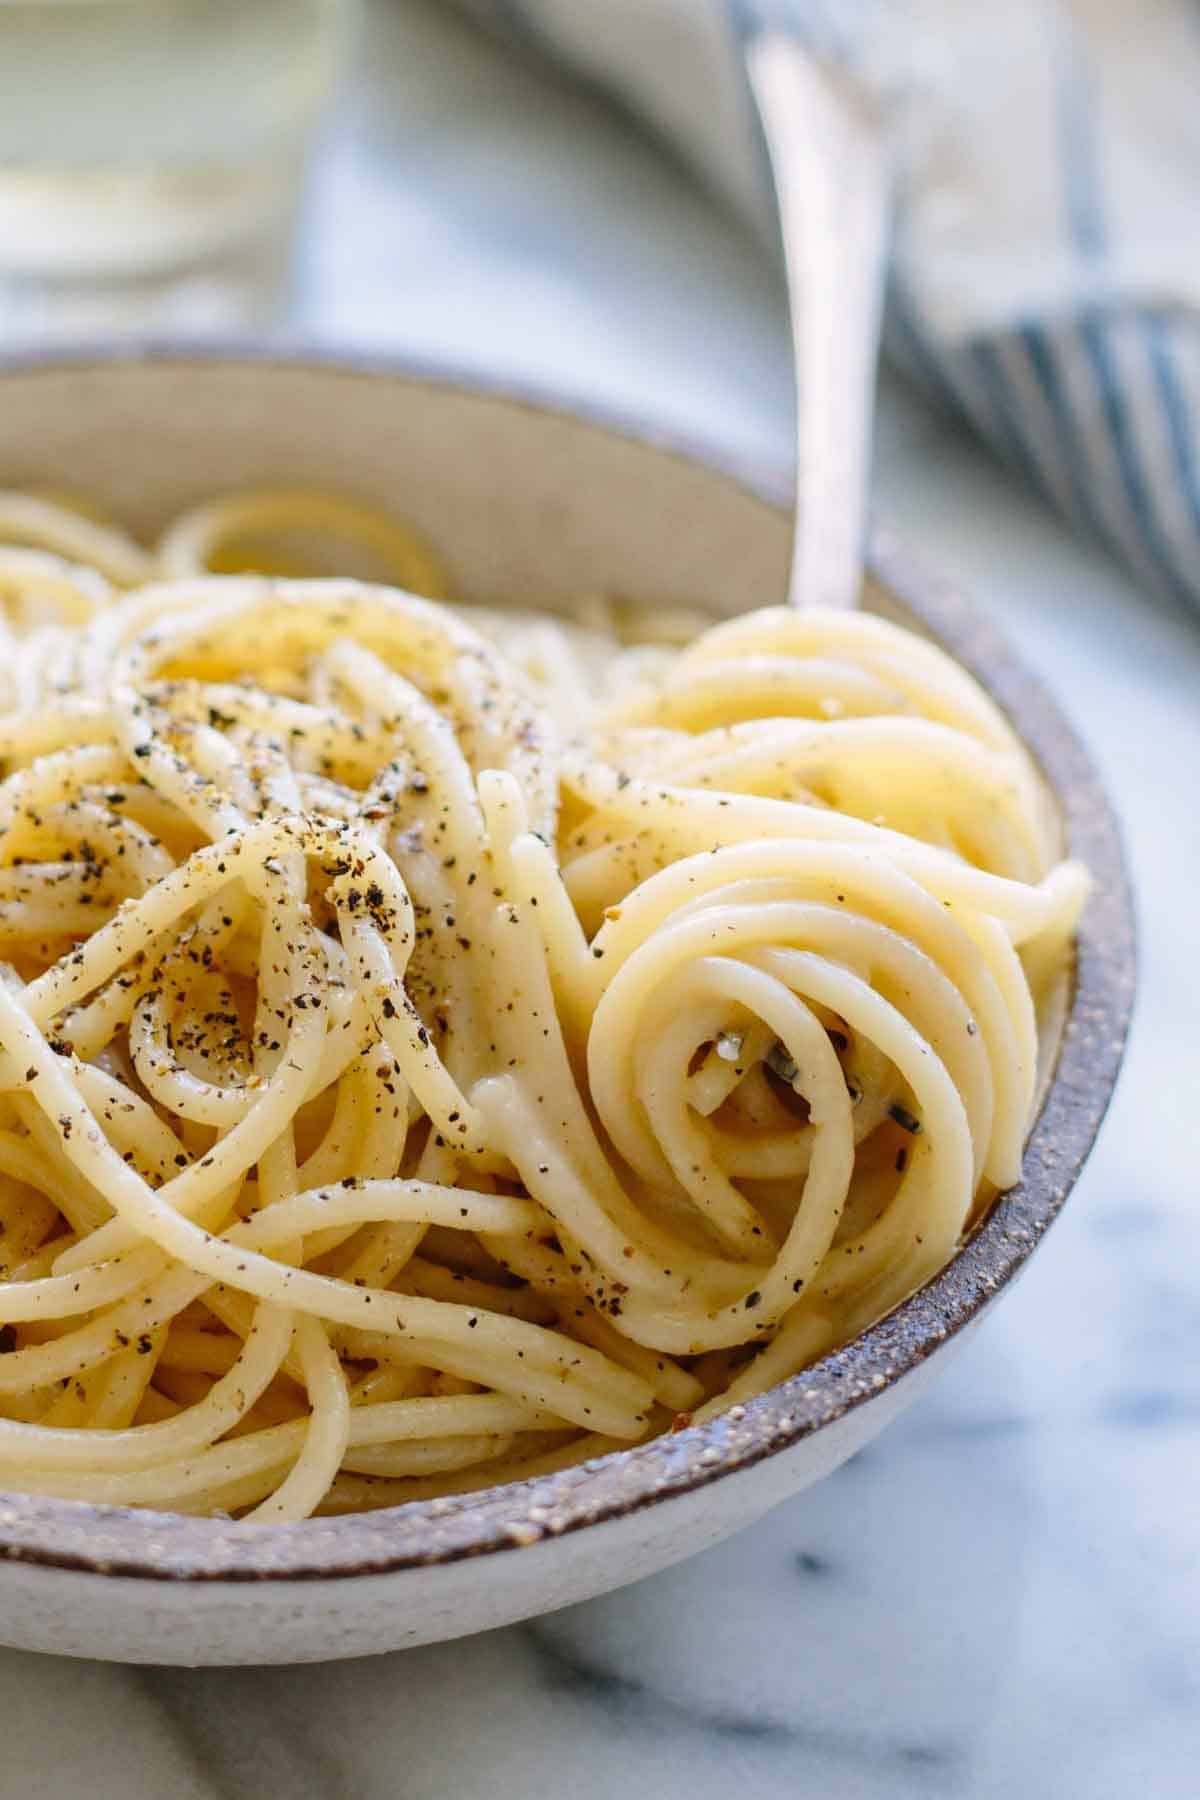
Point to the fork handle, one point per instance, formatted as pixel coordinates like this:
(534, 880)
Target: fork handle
(830, 167)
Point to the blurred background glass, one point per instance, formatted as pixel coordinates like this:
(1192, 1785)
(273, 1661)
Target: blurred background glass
(152, 158)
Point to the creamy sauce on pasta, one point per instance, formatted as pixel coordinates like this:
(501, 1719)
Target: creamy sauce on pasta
(443, 1045)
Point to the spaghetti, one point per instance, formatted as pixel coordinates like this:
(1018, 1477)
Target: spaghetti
(440, 1046)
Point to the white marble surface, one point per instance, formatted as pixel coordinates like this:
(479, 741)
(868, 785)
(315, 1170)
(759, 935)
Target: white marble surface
(1002, 1597)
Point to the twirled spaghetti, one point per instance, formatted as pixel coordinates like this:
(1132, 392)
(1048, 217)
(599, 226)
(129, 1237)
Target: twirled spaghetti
(441, 1046)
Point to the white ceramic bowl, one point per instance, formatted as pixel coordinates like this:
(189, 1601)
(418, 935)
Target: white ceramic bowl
(532, 503)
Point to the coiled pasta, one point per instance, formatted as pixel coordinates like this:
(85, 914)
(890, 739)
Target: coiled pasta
(441, 1045)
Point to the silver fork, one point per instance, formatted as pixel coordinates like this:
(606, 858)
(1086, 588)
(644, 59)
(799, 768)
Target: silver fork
(823, 123)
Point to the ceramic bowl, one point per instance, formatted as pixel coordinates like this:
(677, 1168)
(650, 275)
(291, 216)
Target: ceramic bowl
(532, 501)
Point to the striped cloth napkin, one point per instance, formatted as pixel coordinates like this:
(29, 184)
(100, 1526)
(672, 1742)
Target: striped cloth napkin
(1045, 272)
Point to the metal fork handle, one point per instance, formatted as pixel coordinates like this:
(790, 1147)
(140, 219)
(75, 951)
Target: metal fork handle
(830, 166)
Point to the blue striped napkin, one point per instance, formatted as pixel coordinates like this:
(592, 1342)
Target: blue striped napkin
(1045, 275)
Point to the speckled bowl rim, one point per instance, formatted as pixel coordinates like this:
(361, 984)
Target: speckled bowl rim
(160, 1546)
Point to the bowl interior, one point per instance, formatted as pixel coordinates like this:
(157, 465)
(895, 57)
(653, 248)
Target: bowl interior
(534, 504)
(524, 505)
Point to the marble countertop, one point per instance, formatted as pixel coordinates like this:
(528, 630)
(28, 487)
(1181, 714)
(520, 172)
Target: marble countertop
(1001, 1597)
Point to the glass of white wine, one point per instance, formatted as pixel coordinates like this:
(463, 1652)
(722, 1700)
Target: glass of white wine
(152, 158)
